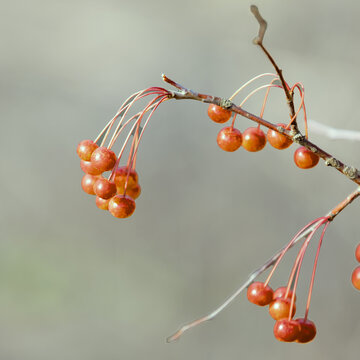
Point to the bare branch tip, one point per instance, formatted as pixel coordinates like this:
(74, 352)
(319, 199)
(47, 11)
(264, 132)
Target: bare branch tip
(263, 25)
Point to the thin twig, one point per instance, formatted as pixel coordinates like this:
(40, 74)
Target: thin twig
(259, 41)
(333, 133)
(331, 215)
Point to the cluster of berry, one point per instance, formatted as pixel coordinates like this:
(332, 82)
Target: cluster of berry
(355, 278)
(253, 139)
(110, 193)
(282, 301)
(118, 192)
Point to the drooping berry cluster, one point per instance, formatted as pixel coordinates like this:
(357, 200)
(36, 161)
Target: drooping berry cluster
(282, 301)
(355, 277)
(117, 192)
(253, 139)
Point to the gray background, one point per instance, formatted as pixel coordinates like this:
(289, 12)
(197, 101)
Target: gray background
(76, 283)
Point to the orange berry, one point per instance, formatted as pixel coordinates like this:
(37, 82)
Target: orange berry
(307, 331)
(355, 278)
(121, 206)
(229, 139)
(218, 114)
(280, 309)
(305, 158)
(253, 139)
(277, 140)
(259, 294)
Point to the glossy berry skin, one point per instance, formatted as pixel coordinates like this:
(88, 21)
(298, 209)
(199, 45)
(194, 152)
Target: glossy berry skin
(280, 309)
(85, 149)
(121, 174)
(281, 291)
(259, 294)
(133, 191)
(87, 183)
(355, 278)
(103, 159)
(286, 330)
(218, 114)
(229, 139)
(277, 140)
(102, 204)
(357, 253)
(307, 331)
(254, 139)
(121, 206)
(305, 158)
(88, 168)
(104, 188)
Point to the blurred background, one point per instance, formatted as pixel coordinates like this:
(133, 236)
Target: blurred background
(76, 283)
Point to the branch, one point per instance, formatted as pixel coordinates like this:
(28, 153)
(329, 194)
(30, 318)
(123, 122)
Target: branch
(331, 215)
(259, 41)
(184, 94)
(333, 133)
(263, 25)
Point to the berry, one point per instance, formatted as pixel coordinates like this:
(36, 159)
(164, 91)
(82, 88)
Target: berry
(355, 278)
(259, 294)
(307, 331)
(277, 140)
(85, 149)
(87, 183)
(286, 330)
(281, 291)
(121, 206)
(103, 159)
(88, 168)
(121, 174)
(357, 253)
(218, 114)
(101, 203)
(305, 158)
(253, 139)
(104, 188)
(133, 191)
(229, 139)
(280, 309)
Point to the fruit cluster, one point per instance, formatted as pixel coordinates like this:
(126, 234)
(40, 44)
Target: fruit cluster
(282, 301)
(355, 277)
(253, 139)
(116, 194)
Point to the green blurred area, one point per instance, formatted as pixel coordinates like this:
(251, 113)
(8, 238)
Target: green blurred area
(75, 283)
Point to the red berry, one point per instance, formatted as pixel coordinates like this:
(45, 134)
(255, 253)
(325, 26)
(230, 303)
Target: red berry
(133, 191)
(305, 158)
(218, 114)
(103, 159)
(121, 206)
(102, 204)
(87, 183)
(280, 309)
(229, 139)
(355, 278)
(357, 253)
(286, 330)
(85, 149)
(281, 291)
(259, 294)
(277, 140)
(307, 331)
(104, 188)
(253, 139)
(121, 174)
(88, 168)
